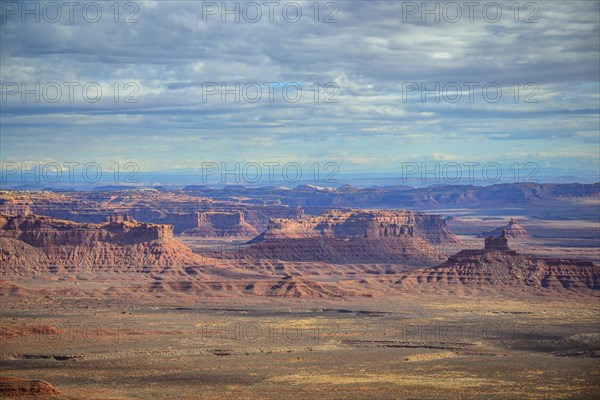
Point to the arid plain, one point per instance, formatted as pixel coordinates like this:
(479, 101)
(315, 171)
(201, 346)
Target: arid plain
(324, 293)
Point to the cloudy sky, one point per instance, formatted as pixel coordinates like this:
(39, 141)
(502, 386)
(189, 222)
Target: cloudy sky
(157, 63)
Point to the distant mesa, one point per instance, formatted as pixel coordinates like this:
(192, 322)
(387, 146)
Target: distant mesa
(357, 235)
(347, 189)
(221, 224)
(177, 207)
(512, 230)
(114, 188)
(312, 188)
(42, 231)
(180, 209)
(119, 217)
(194, 188)
(451, 220)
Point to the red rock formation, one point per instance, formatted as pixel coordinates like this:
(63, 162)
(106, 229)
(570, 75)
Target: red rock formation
(512, 230)
(122, 217)
(497, 243)
(16, 256)
(46, 232)
(338, 236)
(370, 224)
(295, 287)
(25, 388)
(152, 206)
(32, 244)
(497, 266)
(221, 224)
(408, 250)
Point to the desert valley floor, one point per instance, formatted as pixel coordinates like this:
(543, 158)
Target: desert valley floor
(413, 348)
(229, 295)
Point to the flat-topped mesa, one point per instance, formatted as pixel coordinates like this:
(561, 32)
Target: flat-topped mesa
(41, 244)
(221, 218)
(175, 207)
(221, 224)
(46, 232)
(497, 243)
(355, 236)
(368, 224)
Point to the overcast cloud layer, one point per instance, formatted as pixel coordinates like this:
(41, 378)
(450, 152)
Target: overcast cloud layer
(373, 54)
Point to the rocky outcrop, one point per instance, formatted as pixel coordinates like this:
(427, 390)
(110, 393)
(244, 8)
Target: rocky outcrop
(181, 221)
(25, 388)
(179, 209)
(369, 224)
(286, 286)
(338, 236)
(497, 243)
(46, 232)
(221, 224)
(122, 217)
(17, 257)
(293, 287)
(497, 267)
(407, 250)
(33, 244)
(512, 230)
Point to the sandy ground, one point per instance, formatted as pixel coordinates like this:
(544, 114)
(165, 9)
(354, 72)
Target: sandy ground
(406, 348)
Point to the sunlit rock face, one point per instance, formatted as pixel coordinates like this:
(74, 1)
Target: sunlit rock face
(45, 232)
(221, 224)
(498, 266)
(357, 235)
(33, 243)
(513, 230)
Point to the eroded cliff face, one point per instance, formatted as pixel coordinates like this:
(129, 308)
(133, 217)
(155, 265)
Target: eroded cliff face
(371, 225)
(338, 236)
(35, 243)
(513, 230)
(166, 208)
(45, 232)
(221, 224)
(497, 266)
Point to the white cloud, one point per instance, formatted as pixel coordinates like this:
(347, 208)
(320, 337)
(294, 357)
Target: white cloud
(369, 54)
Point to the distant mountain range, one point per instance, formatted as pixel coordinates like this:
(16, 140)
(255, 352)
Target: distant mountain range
(31, 180)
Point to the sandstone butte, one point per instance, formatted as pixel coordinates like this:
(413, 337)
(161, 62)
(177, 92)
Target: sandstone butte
(355, 236)
(32, 243)
(496, 266)
(513, 231)
(220, 224)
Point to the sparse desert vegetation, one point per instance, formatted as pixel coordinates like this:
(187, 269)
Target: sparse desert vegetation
(338, 305)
